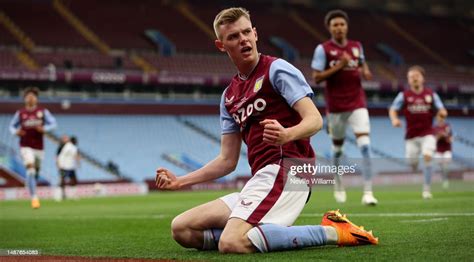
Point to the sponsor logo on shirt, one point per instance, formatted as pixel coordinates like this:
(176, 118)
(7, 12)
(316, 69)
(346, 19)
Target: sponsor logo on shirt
(244, 112)
(419, 108)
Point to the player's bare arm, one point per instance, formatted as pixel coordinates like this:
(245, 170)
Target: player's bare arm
(20, 132)
(311, 122)
(320, 76)
(221, 166)
(393, 114)
(40, 129)
(366, 73)
(442, 112)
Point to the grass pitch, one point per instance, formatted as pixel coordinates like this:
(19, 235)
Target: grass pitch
(409, 228)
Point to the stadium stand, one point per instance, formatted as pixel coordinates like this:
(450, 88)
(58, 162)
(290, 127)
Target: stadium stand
(6, 37)
(300, 26)
(48, 30)
(8, 60)
(83, 59)
(86, 172)
(106, 17)
(188, 25)
(141, 143)
(429, 29)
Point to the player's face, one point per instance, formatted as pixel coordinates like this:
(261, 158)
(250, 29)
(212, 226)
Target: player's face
(31, 99)
(338, 28)
(415, 79)
(239, 40)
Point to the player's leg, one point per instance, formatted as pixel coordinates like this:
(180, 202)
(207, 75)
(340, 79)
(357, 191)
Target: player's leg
(73, 183)
(412, 152)
(273, 207)
(62, 183)
(234, 237)
(28, 158)
(201, 226)
(242, 237)
(359, 121)
(337, 123)
(273, 201)
(428, 146)
(445, 160)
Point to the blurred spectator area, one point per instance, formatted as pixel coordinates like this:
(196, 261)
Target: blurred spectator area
(121, 25)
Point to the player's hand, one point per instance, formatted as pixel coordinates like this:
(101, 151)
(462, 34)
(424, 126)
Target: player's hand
(274, 133)
(20, 132)
(443, 113)
(396, 122)
(40, 129)
(166, 180)
(344, 59)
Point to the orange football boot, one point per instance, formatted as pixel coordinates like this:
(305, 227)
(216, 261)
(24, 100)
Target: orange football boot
(35, 203)
(348, 233)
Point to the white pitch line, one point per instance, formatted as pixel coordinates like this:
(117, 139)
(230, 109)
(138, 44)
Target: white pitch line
(425, 220)
(158, 216)
(395, 214)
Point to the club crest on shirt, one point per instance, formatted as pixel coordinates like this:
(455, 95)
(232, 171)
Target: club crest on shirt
(258, 84)
(410, 99)
(428, 99)
(39, 114)
(355, 51)
(333, 52)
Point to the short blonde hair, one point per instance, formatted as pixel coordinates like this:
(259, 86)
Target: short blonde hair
(417, 68)
(228, 16)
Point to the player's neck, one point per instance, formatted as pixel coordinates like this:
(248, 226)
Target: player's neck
(417, 90)
(340, 42)
(30, 107)
(246, 69)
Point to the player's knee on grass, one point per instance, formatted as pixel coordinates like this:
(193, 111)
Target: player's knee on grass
(235, 244)
(182, 233)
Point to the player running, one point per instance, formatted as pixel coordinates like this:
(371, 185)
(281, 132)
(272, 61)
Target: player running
(419, 105)
(444, 140)
(68, 161)
(30, 123)
(267, 105)
(340, 62)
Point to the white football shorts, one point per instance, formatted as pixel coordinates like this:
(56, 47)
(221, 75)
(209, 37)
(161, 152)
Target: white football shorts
(358, 120)
(31, 156)
(270, 196)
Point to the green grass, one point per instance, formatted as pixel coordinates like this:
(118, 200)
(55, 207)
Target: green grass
(139, 227)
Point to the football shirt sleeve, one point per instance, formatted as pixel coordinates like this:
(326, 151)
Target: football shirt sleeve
(437, 101)
(228, 124)
(14, 123)
(49, 121)
(362, 55)
(319, 59)
(398, 102)
(289, 82)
